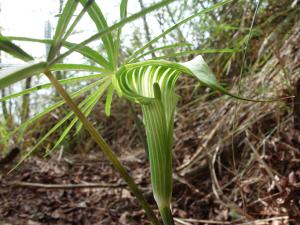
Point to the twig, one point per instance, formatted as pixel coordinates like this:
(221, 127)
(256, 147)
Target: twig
(217, 190)
(199, 151)
(181, 221)
(185, 181)
(265, 221)
(264, 164)
(188, 221)
(255, 222)
(66, 186)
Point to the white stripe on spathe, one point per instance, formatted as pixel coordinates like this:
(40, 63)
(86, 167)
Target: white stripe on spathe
(137, 82)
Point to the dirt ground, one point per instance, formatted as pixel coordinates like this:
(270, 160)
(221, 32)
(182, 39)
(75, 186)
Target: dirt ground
(108, 200)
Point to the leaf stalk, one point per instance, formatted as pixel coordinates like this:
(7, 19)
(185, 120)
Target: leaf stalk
(166, 215)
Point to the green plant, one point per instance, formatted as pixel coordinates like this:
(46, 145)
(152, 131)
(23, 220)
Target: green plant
(150, 83)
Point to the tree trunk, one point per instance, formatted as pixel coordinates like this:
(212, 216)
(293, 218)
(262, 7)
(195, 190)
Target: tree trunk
(146, 28)
(25, 111)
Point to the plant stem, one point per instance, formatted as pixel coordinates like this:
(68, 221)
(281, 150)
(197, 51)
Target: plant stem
(166, 215)
(105, 148)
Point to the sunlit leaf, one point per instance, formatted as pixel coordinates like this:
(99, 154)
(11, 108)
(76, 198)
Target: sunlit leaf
(166, 47)
(85, 50)
(78, 67)
(97, 16)
(123, 15)
(49, 85)
(52, 130)
(77, 19)
(7, 46)
(202, 51)
(56, 105)
(86, 107)
(108, 101)
(12, 75)
(61, 27)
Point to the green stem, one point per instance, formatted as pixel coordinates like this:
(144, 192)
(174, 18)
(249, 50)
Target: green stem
(166, 215)
(105, 148)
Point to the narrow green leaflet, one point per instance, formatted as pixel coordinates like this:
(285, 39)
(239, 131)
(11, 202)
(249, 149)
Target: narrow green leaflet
(61, 27)
(76, 21)
(54, 129)
(139, 51)
(108, 101)
(200, 51)
(15, 74)
(7, 46)
(93, 104)
(166, 47)
(49, 85)
(41, 140)
(57, 104)
(123, 15)
(86, 106)
(97, 16)
(112, 28)
(123, 9)
(78, 67)
(85, 50)
(90, 54)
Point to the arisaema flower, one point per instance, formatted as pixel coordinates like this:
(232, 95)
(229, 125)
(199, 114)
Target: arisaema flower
(152, 84)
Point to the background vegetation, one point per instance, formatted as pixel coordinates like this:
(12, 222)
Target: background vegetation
(234, 162)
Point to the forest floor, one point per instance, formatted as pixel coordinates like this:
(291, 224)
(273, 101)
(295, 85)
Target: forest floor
(105, 199)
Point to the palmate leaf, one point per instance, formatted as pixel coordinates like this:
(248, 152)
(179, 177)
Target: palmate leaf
(108, 30)
(117, 43)
(152, 84)
(58, 104)
(84, 106)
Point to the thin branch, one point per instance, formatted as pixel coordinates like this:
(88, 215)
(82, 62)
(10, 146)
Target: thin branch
(189, 221)
(146, 28)
(66, 186)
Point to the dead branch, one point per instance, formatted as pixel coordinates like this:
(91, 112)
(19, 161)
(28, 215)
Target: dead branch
(66, 186)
